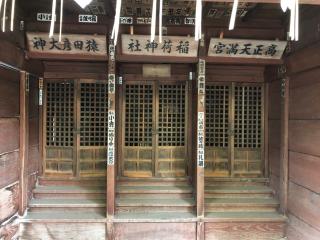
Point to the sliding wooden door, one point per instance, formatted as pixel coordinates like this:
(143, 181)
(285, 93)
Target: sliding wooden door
(75, 127)
(234, 130)
(154, 123)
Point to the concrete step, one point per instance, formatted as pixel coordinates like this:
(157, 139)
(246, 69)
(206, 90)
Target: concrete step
(241, 204)
(69, 192)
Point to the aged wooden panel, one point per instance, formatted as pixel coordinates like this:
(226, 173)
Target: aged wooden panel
(33, 159)
(274, 160)
(9, 127)
(9, 90)
(275, 184)
(304, 204)
(34, 131)
(244, 231)
(304, 170)
(274, 133)
(66, 231)
(274, 100)
(8, 201)
(304, 99)
(155, 231)
(303, 135)
(299, 230)
(9, 167)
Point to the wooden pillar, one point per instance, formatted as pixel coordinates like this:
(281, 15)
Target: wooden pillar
(24, 143)
(111, 133)
(284, 147)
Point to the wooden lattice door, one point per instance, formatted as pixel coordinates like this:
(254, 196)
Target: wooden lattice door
(75, 127)
(234, 130)
(154, 129)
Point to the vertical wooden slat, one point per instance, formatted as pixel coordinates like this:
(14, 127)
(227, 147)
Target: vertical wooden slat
(110, 198)
(24, 141)
(77, 127)
(231, 128)
(41, 124)
(284, 147)
(265, 131)
(200, 168)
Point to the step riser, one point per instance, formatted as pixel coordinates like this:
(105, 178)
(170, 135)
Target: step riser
(69, 196)
(214, 184)
(155, 196)
(238, 195)
(155, 209)
(66, 182)
(241, 209)
(153, 184)
(68, 209)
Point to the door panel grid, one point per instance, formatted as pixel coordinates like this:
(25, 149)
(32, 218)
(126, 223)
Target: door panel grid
(154, 123)
(234, 130)
(75, 117)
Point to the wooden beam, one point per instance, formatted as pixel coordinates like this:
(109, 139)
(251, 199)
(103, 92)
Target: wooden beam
(243, 61)
(312, 2)
(24, 137)
(284, 146)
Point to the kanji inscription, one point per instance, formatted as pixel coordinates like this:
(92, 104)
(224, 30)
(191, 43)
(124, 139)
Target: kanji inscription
(241, 48)
(174, 46)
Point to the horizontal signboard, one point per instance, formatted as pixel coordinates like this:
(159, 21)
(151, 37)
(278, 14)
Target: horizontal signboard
(88, 45)
(241, 48)
(174, 46)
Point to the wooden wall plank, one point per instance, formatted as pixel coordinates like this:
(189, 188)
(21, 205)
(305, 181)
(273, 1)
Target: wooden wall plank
(304, 136)
(304, 204)
(9, 168)
(155, 231)
(299, 230)
(304, 99)
(274, 133)
(274, 100)
(9, 90)
(244, 231)
(304, 170)
(9, 134)
(8, 201)
(79, 231)
(274, 160)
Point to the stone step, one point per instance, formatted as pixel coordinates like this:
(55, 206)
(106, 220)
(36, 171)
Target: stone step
(241, 204)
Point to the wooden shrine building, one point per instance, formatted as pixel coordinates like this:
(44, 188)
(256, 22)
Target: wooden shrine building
(173, 139)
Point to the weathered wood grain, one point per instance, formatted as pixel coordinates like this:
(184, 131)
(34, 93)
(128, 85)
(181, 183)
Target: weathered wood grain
(244, 231)
(304, 204)
(65, 231)
(155, 231)
(9, 134)
(274, 100)
(304, 170)
(9, 90)
(304, 99)
(9, 168)
(8, 202)
(304, 134)
(274, 160)
(274, 133)
(299, 230)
